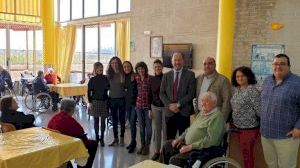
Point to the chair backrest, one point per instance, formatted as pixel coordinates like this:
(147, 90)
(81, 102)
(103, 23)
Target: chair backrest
(7, 127)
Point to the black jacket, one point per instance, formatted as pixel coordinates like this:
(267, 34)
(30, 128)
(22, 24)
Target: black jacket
(18, 119)
(155, 82)
(98, 87)
(130, 90)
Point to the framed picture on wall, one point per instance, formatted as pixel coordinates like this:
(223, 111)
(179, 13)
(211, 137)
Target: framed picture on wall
(185, 48)
(156, 46)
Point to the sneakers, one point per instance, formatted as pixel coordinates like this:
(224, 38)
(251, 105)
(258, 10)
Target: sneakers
(155, 156)
(122, 141)
(115, 142)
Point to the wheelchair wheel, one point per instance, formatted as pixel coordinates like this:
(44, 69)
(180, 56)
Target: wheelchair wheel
(6, 92)
(39, 103)
(29, 102)
(222, 162)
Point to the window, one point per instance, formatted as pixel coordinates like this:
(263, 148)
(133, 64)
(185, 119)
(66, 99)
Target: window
(18, 52)
(39, 64)
(108, 7)
(64, 10)
(107, 43)
(91, 47)
(90, 8)
(30, 50)
(76, 67)
(2, 46)
(76, 9)
(55, 11)
(124, 5)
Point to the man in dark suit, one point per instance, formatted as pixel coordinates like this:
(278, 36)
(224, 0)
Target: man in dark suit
(177, 91)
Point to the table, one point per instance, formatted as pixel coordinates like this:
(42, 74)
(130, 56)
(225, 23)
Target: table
(38, 147)
(69, 89)
(149, 164)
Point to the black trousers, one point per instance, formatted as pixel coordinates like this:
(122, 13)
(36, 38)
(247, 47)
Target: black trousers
(176, 123)
(91, 146)
(117, 108)
(170, 155)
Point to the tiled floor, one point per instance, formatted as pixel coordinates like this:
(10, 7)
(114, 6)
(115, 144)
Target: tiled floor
(106, 157)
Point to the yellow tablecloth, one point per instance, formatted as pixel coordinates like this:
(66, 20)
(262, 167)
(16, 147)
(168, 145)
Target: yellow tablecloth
(38, 148)
(149, 164)
(69, 89)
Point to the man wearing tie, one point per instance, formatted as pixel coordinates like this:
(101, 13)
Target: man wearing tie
(177, 91)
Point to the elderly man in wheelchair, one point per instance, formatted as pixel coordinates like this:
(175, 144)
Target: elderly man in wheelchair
(5, 80)
(206, 131)
(39, 86)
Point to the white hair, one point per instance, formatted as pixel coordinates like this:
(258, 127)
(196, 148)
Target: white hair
(212, 96)
(50, 70)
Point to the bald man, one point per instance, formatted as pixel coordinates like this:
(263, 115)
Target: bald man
(212, 81)
(177, 91)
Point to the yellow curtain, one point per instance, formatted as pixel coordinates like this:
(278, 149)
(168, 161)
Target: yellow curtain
(26, 11)
(123, 39)
(65, 47)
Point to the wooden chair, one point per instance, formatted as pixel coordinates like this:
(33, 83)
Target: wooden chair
(7, 127)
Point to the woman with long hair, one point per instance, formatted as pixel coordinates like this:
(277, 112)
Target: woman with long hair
(130, 100)
(245, 104)
(116, 78)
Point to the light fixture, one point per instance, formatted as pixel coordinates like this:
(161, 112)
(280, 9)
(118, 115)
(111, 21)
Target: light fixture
(276, 26)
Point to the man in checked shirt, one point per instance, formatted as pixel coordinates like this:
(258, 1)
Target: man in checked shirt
(280, 115)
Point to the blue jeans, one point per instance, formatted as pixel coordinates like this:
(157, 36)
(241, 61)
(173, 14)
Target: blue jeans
(145, 126)
(131, 115)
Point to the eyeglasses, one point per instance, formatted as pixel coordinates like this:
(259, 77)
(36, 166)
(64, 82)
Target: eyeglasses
(279, 64)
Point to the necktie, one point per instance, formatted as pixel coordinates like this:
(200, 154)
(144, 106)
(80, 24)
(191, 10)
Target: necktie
(175, 87)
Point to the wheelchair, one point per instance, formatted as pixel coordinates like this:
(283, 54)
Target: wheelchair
(213, 157)
(7, 91)
(40, 102)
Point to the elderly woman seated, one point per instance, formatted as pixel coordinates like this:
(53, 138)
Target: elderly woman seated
(66, 124)
(9, 107)
(206, 131)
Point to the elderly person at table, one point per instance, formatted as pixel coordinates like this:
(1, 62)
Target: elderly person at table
(40, 86)
(9, 114)
(66, 124)
(51, 77)
(206, 131)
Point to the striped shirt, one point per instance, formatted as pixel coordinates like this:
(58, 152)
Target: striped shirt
(280, 106)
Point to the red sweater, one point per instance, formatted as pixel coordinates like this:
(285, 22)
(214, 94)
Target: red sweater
(66, 124)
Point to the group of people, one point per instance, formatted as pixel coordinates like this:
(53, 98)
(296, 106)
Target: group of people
(163, 104)
(165, 101)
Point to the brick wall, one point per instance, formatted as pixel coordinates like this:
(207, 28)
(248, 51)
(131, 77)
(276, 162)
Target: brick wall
(178, 21)
(253, 20)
